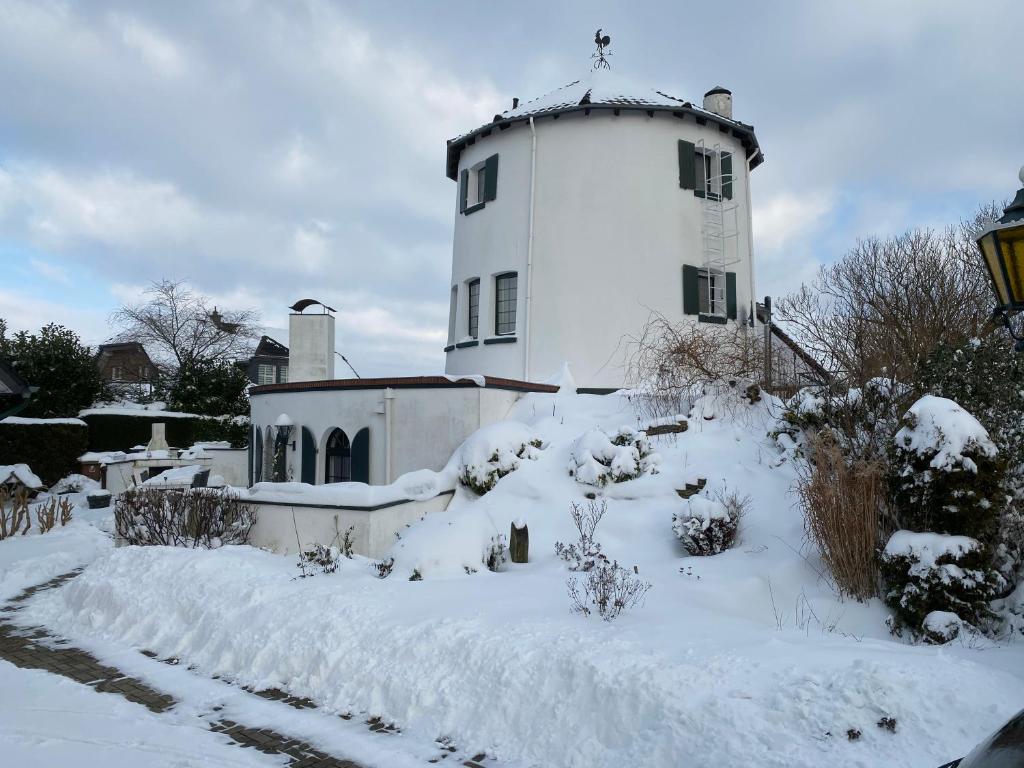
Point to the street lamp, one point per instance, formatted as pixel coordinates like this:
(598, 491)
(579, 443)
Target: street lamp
(1002, 247)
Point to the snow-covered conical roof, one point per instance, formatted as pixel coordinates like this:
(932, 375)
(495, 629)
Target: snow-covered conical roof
(602, 89)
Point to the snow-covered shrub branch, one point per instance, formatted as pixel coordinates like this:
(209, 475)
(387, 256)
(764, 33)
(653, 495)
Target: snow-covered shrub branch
(931, 576)
(709, 526)
(586, 552)
(493, 452)
(198, 517)
(597, 458)
(607, 588)
(946, 473)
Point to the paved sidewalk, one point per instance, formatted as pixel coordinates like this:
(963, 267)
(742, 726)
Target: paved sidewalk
(35, 648)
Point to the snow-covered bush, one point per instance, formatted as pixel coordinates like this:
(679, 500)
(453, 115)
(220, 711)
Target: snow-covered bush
(197, 517)
(860, 420)
(607, 588)
(945, 474)
(494, 451)
(597, 458)
(929, 576)
(709, 526)
(585, 553)
(318, 558)
(984, 379)
(496, 553)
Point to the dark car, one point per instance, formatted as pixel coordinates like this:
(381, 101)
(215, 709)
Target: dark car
(1003, 749)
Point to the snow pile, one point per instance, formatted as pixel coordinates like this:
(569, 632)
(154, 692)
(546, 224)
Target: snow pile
(24, 421)
(419, 485)
(939, 425)
(19, 475)
(744, 656)
(239, 613)
(598, 458)
(199, 450)
(74, 483)
(493, 452)
(148, 411)
(176, 476)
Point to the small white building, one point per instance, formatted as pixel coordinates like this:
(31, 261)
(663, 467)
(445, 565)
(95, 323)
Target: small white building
(580, 213)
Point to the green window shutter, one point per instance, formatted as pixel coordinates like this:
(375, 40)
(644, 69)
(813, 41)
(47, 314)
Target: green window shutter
(361, 456)
(691, 294)
(687, 165)
(463, 190)
(491, 178)
(308, 457)
(727, 175)
(730, 295)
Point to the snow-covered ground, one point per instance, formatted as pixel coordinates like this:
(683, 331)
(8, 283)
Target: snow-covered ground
(743, 658)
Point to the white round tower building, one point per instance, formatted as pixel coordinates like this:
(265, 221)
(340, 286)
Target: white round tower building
(582, 212)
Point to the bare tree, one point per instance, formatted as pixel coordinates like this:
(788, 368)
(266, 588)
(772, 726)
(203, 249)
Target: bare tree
(887, 303)
(177, 326)
(671, 362)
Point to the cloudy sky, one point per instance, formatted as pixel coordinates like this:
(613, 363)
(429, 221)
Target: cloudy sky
(267, 151)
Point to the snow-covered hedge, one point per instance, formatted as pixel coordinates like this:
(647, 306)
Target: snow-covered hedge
(597, 458)
(494, 451)
(945, 473)
(707, 526)
(930, 576)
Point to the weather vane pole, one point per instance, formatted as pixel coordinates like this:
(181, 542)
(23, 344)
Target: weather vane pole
(600, 62)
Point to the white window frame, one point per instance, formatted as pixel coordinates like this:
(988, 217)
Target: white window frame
(266, 371)
(711, 292)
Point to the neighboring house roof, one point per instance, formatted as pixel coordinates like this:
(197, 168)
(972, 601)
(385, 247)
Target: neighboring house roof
(268, 347)
(10, 382)
(603, 91)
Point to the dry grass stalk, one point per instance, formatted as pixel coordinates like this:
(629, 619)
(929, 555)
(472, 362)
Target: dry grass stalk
(14, 517)
(48, 514)
(841, 503)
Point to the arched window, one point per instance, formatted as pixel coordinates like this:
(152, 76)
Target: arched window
(338, 467)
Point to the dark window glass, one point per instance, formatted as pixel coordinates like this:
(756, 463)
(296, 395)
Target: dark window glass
(474, 308)
(505, 304)
(339, 458)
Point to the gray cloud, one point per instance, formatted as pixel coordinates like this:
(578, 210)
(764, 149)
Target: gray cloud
(268, 151)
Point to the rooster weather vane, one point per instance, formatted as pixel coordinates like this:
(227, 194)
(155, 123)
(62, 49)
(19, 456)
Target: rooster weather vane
(599, 55)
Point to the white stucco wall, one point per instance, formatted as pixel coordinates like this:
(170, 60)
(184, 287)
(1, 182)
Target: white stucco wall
(230, 463)
(612, 230)
(427, 424)
(374, 533)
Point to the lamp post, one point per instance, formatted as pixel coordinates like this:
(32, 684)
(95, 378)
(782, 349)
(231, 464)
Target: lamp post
(1002, 248)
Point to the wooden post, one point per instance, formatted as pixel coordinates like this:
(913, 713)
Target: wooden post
(519, 543)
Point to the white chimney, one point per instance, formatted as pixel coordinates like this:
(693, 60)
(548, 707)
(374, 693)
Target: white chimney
(158, 438)
(719, 101)
(310, 347)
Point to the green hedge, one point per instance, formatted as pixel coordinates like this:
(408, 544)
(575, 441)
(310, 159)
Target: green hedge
(51, 450)
(118, 432)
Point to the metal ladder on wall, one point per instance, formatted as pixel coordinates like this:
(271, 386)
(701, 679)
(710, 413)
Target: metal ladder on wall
(719, 221)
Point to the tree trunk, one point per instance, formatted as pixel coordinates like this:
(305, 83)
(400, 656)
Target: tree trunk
(519, 544)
